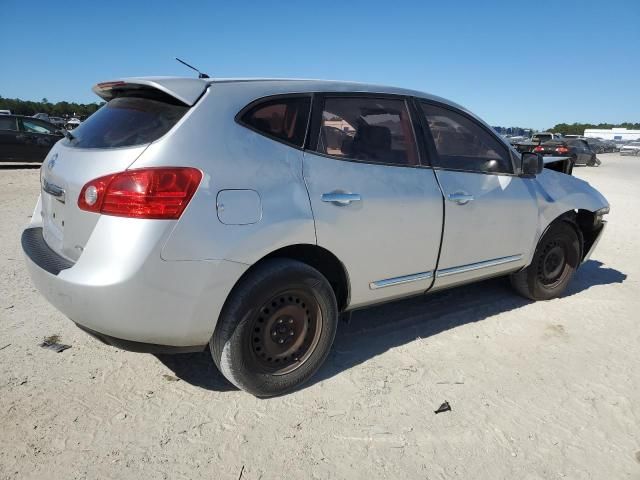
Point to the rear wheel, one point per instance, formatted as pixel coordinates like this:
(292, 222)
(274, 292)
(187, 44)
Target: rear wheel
(276, 329)
(555, 261)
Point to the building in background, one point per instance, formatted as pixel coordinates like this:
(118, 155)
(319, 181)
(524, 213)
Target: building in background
(612, 133)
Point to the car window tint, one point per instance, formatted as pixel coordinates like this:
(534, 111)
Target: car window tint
(127, 121)
(462, 144)
(35, 127)
(8, 123)
(369, 129)
(283, 118)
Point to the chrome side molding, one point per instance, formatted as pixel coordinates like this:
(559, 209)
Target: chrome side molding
(477, 266)
(389, 282)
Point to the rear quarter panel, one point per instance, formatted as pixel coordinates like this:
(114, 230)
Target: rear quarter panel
(233, 157)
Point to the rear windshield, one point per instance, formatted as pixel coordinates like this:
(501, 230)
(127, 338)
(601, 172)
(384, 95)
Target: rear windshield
(127, 121)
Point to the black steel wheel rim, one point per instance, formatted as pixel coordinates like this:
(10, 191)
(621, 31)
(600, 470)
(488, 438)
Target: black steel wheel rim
(285, 331)
(552, 266)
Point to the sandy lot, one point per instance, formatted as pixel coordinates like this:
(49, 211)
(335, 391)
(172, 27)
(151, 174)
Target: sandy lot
(538, 390)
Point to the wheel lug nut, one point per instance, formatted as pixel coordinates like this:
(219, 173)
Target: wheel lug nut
(273, 334)
(291, 333)
(291, 320)
(281, 341)
(279, 320)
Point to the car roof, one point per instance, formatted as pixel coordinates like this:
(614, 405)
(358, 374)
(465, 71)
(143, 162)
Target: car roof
(189, 89)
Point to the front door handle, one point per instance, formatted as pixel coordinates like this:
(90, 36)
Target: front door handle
(461, 198)
(341, 199)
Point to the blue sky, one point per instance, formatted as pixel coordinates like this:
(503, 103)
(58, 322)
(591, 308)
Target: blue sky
(513, 63)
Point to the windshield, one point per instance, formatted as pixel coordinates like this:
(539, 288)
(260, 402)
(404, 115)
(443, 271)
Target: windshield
(127, 121)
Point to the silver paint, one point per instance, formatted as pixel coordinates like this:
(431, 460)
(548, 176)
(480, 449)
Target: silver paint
(166, 282)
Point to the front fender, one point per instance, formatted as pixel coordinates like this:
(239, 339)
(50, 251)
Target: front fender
(557, 193)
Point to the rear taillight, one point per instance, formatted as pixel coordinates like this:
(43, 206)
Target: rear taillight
(562, 150)
(538, 149)
(159, 193)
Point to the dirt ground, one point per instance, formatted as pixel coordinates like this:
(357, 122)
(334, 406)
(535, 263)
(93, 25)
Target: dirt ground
(538, 390)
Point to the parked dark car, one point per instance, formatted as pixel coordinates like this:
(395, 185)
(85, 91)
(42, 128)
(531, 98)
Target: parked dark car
(600, 146)
(26, 139)
(575, 148)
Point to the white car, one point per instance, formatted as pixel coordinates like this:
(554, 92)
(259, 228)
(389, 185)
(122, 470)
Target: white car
(632, 148)
(72, 124)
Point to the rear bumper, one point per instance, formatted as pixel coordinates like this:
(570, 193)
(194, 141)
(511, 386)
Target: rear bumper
(133, 297)
(139, 346)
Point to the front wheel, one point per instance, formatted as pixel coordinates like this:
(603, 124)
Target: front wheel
(555, 261)
(276, 328)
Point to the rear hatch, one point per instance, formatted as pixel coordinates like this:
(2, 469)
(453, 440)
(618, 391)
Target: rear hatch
(138, 112)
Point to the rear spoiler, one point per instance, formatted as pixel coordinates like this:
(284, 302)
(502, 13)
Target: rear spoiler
(185, 90)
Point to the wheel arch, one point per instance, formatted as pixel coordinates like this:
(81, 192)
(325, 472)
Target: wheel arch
(317, 257)
(584, 222)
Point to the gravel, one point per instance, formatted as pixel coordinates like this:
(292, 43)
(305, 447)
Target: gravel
(537, 390)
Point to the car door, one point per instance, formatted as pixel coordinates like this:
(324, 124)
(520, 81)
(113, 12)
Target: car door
(491, 214)
(586, 152)
(374, 205)
(10, 145)
(41, 137)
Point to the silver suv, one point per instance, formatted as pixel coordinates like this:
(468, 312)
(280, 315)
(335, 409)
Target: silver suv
(246, 215)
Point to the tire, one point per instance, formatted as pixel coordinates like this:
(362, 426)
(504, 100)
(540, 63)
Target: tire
(555, 261)
(276, 328)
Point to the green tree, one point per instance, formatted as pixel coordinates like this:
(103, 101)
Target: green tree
(59, 109)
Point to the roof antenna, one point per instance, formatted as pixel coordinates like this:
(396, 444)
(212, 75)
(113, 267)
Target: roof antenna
(200, 74)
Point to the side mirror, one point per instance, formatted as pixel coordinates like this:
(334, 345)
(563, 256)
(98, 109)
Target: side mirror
(532, 164)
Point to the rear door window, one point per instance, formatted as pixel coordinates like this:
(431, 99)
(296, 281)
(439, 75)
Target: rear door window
(376, 130)
(127, 121)
(34, 126)
(8, 123)
(282, 118)
(463, 144)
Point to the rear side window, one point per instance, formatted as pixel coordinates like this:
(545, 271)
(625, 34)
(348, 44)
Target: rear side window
(8, 123)
(33, 126)
(376, 130)
(463, 144)
(283, 118)
(127, 121)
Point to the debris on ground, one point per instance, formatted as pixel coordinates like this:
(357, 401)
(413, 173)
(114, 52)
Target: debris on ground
(52, 343)
(445, 407)
(241, 472)
(170, 378)
(7, 345)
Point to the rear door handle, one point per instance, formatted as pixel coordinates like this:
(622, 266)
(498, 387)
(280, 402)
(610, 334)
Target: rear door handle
(461, 198)
(341, 199)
